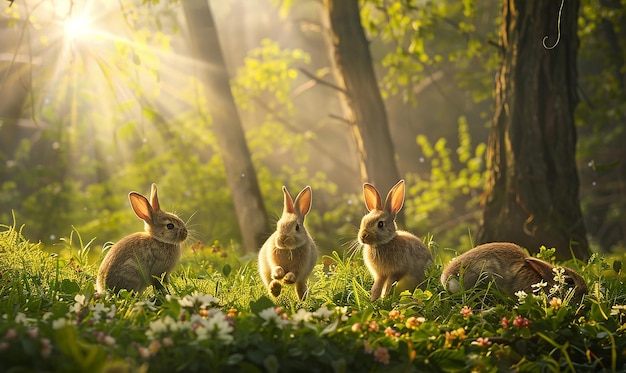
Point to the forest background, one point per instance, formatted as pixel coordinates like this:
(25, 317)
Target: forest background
(100, 98)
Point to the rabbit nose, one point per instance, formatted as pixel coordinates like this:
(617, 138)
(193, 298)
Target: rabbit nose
(364, 236)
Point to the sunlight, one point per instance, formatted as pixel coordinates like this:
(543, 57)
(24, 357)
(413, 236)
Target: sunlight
(76, 27)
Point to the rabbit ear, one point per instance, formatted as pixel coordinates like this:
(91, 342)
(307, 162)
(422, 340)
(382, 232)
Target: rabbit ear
(154, 198)
(288, 209)
(542, 268)
(303, 201)
(395, 198)
(372, 197)
(141, 206)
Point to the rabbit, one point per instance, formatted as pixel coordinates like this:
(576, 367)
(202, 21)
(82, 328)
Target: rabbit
(390, 255)
(142, 258)
(509, 266)
(289, 254)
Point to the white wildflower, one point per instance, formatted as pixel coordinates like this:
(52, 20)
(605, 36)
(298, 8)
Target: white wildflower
(343, 311)
(80, 299)
(301, 315)
(60, 323)
(618, 309)
(556, 288)
(222, 328)
(186, 301)
(521, 296)
(559, 274)
(539, 286)
(111, 313)
(161, 326)
(21, 318)
(323, 313)
(196, 299)
(271, 317)
(109, 341)
(141, 306)
(206, 300)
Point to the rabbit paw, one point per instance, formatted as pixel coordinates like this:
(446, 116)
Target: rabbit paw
(290, 278)
(275, 288)
(278, 272)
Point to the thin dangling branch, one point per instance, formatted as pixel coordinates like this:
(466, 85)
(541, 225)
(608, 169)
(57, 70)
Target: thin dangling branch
(558, 25)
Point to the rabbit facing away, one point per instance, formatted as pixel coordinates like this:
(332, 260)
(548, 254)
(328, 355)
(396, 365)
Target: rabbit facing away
(289, 254)
(390, 255)
(142, 258)
(509, 267)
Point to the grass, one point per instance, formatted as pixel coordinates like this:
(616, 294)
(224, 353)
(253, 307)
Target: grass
(218, 317)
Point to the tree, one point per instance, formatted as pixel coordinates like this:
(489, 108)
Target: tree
(367, 115)
(531, 194)
(240, 172)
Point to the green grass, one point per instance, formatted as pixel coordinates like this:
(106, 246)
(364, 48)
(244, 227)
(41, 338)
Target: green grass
(218, 317)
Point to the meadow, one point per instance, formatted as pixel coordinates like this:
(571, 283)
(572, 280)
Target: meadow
(218, 317)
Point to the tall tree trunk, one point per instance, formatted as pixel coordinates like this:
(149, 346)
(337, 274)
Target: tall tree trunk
(240, 172)
(356, 77)
(531, 193)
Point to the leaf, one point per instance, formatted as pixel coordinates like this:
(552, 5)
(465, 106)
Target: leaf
(617, 266)
(448, 360)
(261, 304)
(226, 269)
(69, 287)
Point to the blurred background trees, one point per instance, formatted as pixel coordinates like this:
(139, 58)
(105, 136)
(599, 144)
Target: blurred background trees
(100, 98)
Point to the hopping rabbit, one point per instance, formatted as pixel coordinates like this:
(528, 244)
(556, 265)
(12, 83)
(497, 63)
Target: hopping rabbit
(142, 258)
(289, 254)
(390, 255)
(509, 267)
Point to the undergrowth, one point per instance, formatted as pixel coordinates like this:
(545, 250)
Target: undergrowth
(218, 317)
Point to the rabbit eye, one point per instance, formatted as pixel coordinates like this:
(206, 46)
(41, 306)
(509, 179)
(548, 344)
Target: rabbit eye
(381, 224)
(170, 226)
(297, 227)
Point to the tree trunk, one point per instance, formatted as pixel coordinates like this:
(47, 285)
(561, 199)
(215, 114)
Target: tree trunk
(240, 172)
(367, 114)
(531, 193)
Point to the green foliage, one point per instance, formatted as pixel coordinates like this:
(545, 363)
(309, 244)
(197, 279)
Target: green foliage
(269, 70)
(221, 319)
(451, 189)
(424, 39)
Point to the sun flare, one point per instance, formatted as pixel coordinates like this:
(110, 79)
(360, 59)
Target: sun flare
(76, 27)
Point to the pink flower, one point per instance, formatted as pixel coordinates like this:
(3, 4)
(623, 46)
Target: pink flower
(394, 314)
(505, 323)
(521, 322)
(144, 353)
(391, 333)
(466, 311)
(381, 355)
(33, 333)
(482, 342)
(413, 322)
(46, 348)
(11, 334)
(373, 326)
(356, 327)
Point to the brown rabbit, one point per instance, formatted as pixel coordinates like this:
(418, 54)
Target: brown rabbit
(390, 255)
(142, 258)
(509, 266)
(289, 254)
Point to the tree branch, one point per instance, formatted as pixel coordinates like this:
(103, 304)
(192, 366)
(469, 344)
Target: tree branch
(321, 81)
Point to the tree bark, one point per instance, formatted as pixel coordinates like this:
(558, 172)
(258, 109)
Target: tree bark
(240, 172)
(532, 188)
(367, 115)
